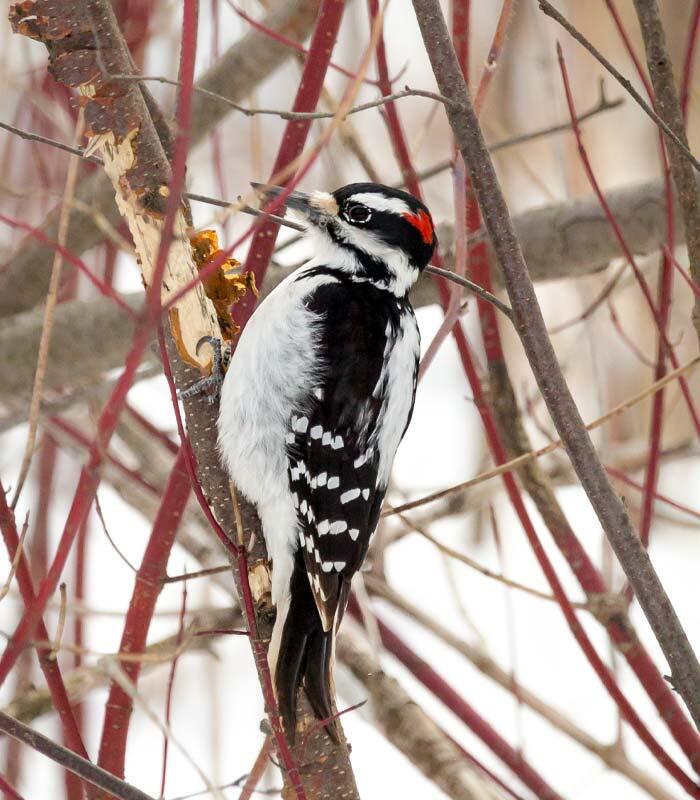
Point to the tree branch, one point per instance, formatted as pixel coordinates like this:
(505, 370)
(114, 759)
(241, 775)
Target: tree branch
(533, 334)
(24, 280)
(71, 761)
(407, 726)
(666, 95)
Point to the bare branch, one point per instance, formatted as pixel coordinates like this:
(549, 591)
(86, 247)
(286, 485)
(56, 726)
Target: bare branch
(409, 728)
(668, 104)
(532, 331)
(71, 761)
(550, 11)
(246, 63)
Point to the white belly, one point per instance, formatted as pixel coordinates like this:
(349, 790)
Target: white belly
(272, 367)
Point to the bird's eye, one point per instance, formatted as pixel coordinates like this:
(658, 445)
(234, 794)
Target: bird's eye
(358, 214)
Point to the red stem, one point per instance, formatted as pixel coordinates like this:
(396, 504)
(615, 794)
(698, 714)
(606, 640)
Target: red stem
(49, 665)
(71, 258)
(147, 586)
(461, 709)
(89, 477)
(576, 556)
(665, 289)
(294, 139)
(8, 790)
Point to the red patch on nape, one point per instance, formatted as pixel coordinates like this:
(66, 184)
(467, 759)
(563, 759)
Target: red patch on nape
(423, 224)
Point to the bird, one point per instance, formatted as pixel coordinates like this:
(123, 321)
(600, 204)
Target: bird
(318, 394)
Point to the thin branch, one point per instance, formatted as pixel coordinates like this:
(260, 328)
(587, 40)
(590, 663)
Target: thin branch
(550, 11)
(666, 99)
(519, 461)
(72, 762)
(614, 758)
(564, 412)
(288, 115)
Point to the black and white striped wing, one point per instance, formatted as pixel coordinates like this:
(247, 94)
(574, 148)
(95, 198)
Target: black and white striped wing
(333, 466)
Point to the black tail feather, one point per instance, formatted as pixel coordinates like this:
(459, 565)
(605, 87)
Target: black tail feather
(317, 678)
(305, 654)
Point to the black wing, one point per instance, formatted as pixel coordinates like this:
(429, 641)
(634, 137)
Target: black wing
(332, 465)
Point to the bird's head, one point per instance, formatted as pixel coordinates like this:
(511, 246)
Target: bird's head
(376, 233)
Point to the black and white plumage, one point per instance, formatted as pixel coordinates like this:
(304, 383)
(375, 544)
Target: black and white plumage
(316, 400)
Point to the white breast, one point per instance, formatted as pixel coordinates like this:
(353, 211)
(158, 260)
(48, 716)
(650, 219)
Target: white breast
(272, 366)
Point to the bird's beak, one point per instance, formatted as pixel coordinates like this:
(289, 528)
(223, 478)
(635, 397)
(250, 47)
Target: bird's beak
(313, 207)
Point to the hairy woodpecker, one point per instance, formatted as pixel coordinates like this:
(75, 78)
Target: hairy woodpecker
(316, 400)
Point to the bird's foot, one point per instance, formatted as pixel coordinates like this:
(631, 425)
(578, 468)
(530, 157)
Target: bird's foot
(211, 385)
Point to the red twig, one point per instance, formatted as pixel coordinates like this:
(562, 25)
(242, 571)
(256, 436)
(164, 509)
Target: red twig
(499, 37)
(152, 429)
(644, 359)
(687, 278)
(665, 289)
(89, 478)
(71, 258)
(147, 587)
(285, 40)
(84, 441)
(256, 772)
(294, 138)
(469, 716)
(641, 280)
(652, 681)
(9, 791)
(48, 664)
(483, 768)
(620, 475)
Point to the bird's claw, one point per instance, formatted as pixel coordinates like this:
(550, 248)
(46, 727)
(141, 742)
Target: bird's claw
(211, 385)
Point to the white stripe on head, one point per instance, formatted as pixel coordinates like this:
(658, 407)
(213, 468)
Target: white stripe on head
(401, 273)
(379, 202)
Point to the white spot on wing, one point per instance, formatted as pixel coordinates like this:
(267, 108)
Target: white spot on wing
(351, 494)
(354, 533)
(326, 438)
(339, 526)
(322, 478)
(323, 527)
(316, 432)
(334, 482)
(365, 494)
(337, 443)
